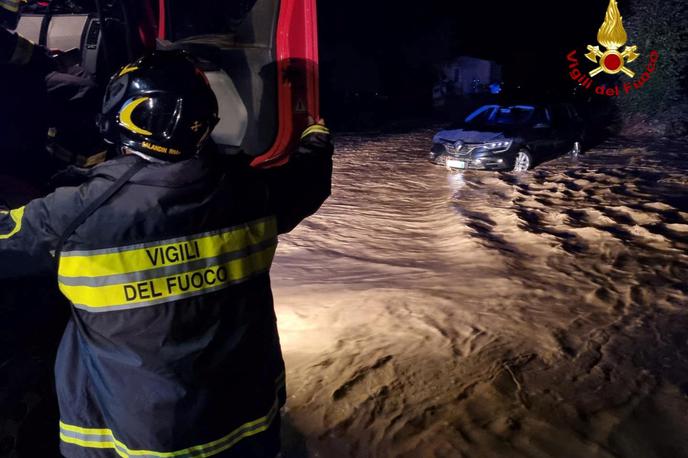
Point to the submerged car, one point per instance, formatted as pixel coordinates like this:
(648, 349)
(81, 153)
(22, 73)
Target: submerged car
(510, 137)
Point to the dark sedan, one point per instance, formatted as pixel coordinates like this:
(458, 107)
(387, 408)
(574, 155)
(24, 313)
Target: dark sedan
(517, 137)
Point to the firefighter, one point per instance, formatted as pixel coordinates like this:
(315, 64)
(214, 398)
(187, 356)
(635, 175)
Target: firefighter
(164, 254)
(47, 99)
(23, 126)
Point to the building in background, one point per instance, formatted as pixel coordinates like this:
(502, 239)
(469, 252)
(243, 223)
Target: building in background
(465, 77)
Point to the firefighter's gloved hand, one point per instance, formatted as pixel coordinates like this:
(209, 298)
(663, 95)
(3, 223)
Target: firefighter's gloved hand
(316, 139)
(64, 61)
(18, 51)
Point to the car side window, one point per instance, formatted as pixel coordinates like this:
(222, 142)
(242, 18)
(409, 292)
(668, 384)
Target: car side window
(541, 116)
(561, 115)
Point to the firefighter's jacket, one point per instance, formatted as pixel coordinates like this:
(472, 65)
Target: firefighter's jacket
(23, 126)
(172, 349)
(68, 97)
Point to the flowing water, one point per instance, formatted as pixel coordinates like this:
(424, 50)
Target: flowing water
(428, 313)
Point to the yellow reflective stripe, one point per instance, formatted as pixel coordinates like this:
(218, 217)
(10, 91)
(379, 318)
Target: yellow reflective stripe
(90, 444)
(17, 216)
(209, 449)
(170, 287)
(163, 253)
(317, 128)
(125, 116)
(127, 69)
(199, 451)
(10, 5)
(22, 52)
(89, 431)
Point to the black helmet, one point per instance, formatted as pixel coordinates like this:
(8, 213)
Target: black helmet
(160, 105)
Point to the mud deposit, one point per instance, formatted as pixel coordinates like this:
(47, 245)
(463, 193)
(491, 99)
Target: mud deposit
(425, 313)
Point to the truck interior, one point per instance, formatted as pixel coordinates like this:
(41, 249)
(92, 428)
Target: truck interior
(260, 56)
(237, 39)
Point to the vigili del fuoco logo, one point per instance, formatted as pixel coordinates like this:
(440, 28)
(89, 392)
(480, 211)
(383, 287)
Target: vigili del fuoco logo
(612, 59)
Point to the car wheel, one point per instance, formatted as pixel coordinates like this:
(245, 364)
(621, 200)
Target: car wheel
(523, 161)
(575, 150)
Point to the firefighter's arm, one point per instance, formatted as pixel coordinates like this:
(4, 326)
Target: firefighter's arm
(299, 188)
(27, 237)
(17, 50)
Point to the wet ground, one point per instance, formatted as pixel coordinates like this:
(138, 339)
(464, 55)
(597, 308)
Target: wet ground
(426, 313)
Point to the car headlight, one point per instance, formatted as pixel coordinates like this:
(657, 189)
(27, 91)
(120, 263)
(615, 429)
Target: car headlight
(500, 145)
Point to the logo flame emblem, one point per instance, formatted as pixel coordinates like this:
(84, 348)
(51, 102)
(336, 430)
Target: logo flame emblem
(612, 36)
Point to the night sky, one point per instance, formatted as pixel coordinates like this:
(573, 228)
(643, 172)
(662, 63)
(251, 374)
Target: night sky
(392, 47)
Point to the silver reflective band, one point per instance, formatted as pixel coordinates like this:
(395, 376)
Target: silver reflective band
(165, 271)
(168, 270)
(167, 299)
(87, 440)
(102, 438)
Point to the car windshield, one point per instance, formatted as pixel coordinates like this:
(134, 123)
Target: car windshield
(497, 115)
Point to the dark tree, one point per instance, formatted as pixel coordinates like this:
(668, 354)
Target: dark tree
(660, 25)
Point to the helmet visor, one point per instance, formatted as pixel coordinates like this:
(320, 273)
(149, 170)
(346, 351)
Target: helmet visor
(115, 93)
(151, 116)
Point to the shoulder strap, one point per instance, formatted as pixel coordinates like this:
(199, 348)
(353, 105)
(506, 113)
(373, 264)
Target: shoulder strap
(96, 204)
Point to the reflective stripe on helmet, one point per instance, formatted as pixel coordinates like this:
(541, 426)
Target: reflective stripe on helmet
(166, 271)
(125, 116)
(127, 69)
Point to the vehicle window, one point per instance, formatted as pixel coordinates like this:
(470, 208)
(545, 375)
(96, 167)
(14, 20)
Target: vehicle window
(239, 36)
(512, 115)
(494, 115)
(207, 17)
(482, 115)
(560, 114)
(541, 116)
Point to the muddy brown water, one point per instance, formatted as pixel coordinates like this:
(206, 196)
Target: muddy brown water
(427, 313)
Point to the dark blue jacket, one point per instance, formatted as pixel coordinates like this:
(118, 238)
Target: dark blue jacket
(173, 345)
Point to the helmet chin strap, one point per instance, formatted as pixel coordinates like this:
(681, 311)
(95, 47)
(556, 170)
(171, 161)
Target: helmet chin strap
(126, 150)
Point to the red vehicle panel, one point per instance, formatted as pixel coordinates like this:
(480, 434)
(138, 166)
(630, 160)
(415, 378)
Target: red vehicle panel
(297, 74)
(297, 63)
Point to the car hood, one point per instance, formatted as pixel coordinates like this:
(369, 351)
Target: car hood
(468, 136)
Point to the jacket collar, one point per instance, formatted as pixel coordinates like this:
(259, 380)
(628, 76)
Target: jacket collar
(169, 175)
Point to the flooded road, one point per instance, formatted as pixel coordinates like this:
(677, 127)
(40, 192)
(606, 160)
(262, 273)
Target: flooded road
(427, 313)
